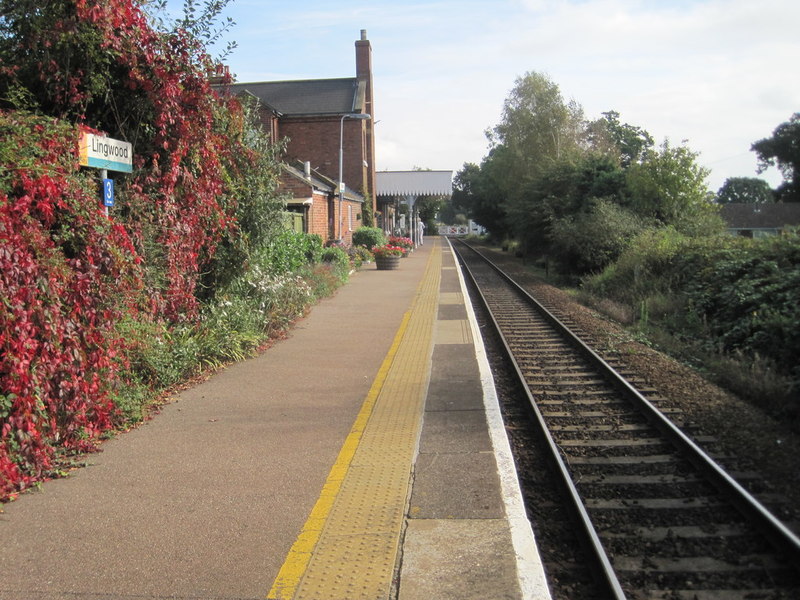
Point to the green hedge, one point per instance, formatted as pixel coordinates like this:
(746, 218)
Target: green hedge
(726, 295)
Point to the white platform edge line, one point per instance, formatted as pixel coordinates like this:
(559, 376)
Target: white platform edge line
(530, 571)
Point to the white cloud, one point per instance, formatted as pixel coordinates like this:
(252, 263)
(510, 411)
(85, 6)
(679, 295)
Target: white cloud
(720, 73)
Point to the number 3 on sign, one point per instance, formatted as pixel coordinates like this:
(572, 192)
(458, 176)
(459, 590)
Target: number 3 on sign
(108, 192)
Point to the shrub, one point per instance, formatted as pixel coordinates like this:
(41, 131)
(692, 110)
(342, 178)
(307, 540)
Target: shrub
(645, 267)
(746, 292)
(67, 274)
(589, 241)
(369, 237)
(338, 261)
(362, 255)
(288, 252)
(728, 296)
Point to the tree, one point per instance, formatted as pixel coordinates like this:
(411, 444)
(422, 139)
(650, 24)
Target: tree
(782, 150)
(477, 191)
(538, 126)
(669, 187)
(747, 190)
(629, 142)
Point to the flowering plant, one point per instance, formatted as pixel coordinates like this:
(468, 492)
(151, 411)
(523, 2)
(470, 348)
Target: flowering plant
(402, 242)
(387, 250)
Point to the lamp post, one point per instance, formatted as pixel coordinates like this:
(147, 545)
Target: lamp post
(360, 116)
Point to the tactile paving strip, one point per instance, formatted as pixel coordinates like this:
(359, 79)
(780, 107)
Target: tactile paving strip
(357, 548)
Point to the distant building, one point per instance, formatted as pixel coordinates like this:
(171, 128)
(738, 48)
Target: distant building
(760, 220)
(316, 116)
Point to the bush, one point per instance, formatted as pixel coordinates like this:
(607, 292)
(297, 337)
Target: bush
(288, 252)
(360, 255)
(587, 242)
(67, 274)
(746, 292)
(645, 267)
(338, 261)
(726, 296)
(369, 237)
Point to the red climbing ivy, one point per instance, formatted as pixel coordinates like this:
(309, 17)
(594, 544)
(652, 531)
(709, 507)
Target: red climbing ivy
(68, 274)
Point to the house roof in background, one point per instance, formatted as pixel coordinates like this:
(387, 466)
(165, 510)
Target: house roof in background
(414, 183)
(308, 96)
(761, 216)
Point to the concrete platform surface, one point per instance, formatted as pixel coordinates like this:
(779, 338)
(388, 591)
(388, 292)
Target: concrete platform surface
(362, 457)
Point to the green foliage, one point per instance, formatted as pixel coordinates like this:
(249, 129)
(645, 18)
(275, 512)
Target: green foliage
(361, 255)
(643, 269)
(746, 291)
(669, 187)
(338, 261)
(746, 190)
(589, 241)
(477, 192)
(287, 252)
(367, 212)
(782, 150)
(369, 237)
(626, 144)
(537, 125)
(252, 180)
(732, 296)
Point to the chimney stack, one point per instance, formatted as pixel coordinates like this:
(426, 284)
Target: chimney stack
(364, 74)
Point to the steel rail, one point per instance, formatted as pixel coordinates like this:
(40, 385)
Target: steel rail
(772, 528)
(603, 569)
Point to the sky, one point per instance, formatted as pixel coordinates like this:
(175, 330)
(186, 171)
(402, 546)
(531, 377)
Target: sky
(716, 75)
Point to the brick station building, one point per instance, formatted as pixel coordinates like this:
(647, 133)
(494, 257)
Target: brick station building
(316, 117)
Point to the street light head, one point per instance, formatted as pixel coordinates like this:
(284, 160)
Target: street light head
(362, 116)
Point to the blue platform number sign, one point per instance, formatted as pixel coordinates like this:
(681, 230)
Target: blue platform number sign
(108, 192)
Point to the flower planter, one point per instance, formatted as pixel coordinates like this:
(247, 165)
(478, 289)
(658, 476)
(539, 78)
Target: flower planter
(387, 263)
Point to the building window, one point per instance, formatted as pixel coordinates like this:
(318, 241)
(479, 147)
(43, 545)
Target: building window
(349, 217)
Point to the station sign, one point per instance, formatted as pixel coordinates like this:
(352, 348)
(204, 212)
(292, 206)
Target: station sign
(105, 153)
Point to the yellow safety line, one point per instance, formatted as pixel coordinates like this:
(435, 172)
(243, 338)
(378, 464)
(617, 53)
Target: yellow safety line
(299, 556)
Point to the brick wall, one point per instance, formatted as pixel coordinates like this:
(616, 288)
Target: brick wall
(316, 139)
(317, 213)
(318, 217)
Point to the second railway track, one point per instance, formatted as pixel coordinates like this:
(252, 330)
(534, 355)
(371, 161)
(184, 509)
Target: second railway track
(657, 517)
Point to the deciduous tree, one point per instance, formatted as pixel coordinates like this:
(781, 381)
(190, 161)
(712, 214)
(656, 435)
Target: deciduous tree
(669, 187)
(628, 143)
(748, 190)
(782, 150)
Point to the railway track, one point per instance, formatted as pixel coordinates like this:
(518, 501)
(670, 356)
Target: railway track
(657, 517)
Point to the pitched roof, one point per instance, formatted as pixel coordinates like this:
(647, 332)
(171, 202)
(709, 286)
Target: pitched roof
(307, 97)
(319, 181)
(739, 215)
(414, 183)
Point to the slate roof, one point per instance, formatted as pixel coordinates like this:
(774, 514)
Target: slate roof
(319, 181)
(308, 96)
(761, 216)
(414, 183)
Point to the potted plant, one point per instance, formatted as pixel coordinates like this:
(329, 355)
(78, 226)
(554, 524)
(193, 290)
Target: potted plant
(387, 257)
(406, 244)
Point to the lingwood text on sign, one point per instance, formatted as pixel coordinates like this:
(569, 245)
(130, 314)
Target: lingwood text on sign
(105, 153)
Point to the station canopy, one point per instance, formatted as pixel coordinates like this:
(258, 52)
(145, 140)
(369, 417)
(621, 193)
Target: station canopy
(413, 183)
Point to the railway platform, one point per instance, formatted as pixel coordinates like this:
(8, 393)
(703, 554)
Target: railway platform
(363, 457)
